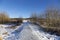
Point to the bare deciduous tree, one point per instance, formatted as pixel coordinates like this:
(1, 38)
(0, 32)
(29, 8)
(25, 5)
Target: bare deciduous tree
(34, 16)
(52, 17)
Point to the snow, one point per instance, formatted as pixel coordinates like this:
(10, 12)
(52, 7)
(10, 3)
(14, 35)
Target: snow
(26, 20)
(3, 32)
(5, 25)
(27, 31)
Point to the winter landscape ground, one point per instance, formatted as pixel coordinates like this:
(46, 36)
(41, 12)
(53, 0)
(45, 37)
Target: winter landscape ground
(29, 19)
(26, 31)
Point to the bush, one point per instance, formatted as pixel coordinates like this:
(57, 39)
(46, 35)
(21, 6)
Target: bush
(4, 18)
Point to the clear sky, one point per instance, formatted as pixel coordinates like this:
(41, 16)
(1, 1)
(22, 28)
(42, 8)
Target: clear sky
(24, 8)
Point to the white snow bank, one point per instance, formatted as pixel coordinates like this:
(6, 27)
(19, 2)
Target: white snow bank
(42, 35)
(5, 25)
(3, 32)
(31, 32)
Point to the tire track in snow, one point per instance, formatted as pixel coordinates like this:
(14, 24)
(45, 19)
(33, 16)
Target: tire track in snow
(29, 31)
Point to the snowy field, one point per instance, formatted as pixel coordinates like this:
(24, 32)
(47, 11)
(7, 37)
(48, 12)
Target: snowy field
(26, 31)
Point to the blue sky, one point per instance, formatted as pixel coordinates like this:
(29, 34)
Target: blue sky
(24, 8)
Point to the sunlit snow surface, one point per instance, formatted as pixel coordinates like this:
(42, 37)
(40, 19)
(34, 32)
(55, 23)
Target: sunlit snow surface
(29, 31)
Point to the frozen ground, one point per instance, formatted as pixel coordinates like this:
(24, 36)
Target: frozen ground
(29, 31)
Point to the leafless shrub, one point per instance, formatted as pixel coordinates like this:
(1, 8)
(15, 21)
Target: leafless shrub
(4, 17)
(52, 17)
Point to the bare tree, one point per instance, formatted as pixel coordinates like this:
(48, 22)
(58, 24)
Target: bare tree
(34, 17)
(52, 16)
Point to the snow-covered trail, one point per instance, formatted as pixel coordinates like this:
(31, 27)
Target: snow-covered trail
(29, 31)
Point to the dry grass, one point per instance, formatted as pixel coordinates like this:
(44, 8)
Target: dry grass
(1, 38)
(52, 30)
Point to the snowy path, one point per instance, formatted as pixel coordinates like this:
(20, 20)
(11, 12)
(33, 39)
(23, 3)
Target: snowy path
(29, 31)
